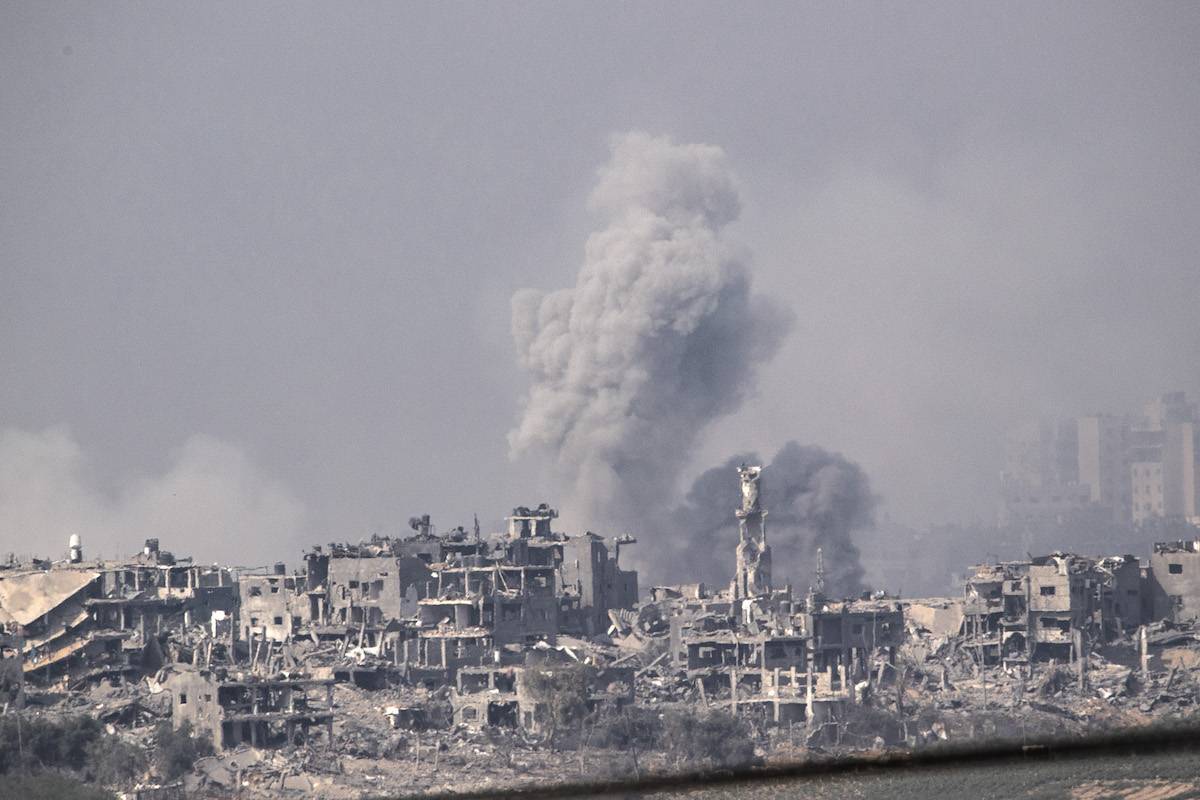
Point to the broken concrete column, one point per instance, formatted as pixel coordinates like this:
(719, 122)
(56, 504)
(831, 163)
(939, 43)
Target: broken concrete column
(808, 695)
(1144, 652)
(1080, 656)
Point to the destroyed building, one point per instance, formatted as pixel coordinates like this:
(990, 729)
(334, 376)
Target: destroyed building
(504, 697)
(274, 606)
(462, 636)
(1049, 607)
(12, 676)
(757, 649)
(262, 712)
(520, 588)
(486, 696)
(83, 620)
(1173, 584)
(437, 602)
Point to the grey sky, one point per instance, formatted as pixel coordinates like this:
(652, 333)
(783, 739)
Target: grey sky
(274, 246)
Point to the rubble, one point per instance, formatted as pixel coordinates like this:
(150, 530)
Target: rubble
(393, 663)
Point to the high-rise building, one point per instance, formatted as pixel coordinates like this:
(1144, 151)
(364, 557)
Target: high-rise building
(1104, 462)
(1041, 471)
(1168, 409)
(1127, 468)
(1163, 469)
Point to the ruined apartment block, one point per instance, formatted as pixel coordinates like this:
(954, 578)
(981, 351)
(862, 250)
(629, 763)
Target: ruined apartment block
(1050, 607)
(83, 620)
(433, 603)
(1173, 584)
(466, 625)
(501, 696)
(259, 711)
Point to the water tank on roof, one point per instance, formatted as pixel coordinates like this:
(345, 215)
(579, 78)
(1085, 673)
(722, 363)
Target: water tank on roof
(75, 548)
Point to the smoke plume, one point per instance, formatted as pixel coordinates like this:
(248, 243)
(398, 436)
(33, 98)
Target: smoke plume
(213, 503)
(814, 499)
(660, 335)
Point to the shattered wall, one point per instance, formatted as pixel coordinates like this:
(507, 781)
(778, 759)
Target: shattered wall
(375, 589)
(272, 607)
(1174, 583)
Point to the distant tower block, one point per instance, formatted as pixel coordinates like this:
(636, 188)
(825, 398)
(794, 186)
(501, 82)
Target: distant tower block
(74, 549)
(753, 554)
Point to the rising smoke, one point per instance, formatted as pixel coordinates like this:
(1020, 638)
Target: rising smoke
(660, 335)
(212, 502)
(814, 499)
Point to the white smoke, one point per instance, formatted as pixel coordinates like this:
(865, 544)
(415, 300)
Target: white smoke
(659, 336)
(213, 503)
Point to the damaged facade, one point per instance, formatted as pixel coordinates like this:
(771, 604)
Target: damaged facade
(1015, 612)
(1173, 587)
(459, 631)
(81, 620)
(260, 711)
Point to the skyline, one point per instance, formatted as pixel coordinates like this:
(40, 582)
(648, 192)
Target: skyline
(263, 262)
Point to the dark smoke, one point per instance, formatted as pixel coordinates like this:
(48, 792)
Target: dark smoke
(660, 335)
(813, 498)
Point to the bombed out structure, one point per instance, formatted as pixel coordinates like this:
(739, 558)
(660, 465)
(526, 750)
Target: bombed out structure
(84, 621)
(253, 657)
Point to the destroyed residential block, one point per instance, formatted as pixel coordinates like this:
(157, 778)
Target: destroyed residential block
(272, 607)
(457, 623)
(612, 687)
(12, 676)
(261, 712)
(1173, 585)
(107, 619)
(1015, 612)
(486, 696)
(439, 602)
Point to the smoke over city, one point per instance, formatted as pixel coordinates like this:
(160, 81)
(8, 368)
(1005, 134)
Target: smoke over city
(211, 499)
(814, 499)
(660, 335)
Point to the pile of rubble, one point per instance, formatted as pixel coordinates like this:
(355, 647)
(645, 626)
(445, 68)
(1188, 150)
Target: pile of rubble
(394, 664)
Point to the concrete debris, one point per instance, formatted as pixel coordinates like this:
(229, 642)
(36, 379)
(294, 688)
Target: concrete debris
(461, 662)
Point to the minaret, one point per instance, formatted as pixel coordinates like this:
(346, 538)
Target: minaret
(753, 555)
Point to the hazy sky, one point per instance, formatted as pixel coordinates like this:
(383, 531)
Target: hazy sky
(256, 260)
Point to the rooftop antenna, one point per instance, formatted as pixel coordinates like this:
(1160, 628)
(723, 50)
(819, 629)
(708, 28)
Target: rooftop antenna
(477, 527)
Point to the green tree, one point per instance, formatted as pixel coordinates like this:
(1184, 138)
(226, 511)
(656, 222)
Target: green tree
(559, 694)
(28, 743)
(708, 739)
(631, 729)
(114, 762)
(176, 750)
(49, 786)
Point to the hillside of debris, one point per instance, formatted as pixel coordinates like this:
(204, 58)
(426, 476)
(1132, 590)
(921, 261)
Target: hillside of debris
(446, 663)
